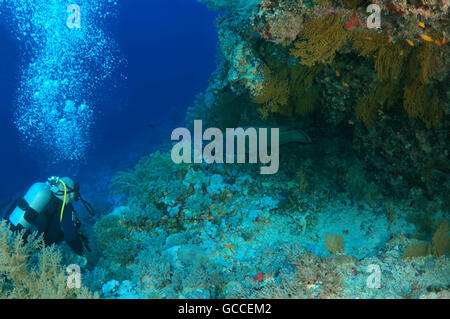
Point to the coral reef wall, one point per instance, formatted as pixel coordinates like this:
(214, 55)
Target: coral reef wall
(286, 59)
(363, 173)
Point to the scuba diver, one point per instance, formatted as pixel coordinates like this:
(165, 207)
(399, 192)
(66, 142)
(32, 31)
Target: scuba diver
(47, 208)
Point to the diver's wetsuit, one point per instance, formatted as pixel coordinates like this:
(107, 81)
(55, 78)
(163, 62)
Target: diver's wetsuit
(55, 231)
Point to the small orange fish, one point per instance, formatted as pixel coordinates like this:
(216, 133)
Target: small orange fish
(228, 246)
(221, 214)
(212, 206)
(344, 84)
(426, 38)
(246, 251)
(409, 42)
(390, 39)
(368, 38)
(209, 217)
(421, 24)
(337, 73)
(226, 256)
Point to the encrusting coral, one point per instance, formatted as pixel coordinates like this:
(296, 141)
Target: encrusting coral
(278, 21)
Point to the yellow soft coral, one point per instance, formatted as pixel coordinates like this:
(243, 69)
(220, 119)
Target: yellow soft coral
(415, 66)
(367, 42)
(320, 39)
(275, 96)
(389, 61)
(414, 98)
(389, 57)
(429, 60)
(366, 110)
(28, 269)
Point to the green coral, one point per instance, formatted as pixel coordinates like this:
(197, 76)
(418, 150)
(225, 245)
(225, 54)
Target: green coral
(114, 237)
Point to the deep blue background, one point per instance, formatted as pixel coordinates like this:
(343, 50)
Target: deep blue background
(170, 47)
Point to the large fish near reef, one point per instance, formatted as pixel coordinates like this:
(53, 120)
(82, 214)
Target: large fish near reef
(293, 135)
(287, 134)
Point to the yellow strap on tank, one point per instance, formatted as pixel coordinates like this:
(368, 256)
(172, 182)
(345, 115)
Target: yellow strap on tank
(64, 201)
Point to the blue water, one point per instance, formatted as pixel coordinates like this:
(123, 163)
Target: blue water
(170, 49)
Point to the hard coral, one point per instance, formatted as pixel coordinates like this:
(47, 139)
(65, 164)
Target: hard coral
(278, 21)
(314, 277)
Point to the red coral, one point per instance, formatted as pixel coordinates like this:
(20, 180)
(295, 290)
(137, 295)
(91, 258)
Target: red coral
(393, 9)
(259, 276)
(353, 22)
